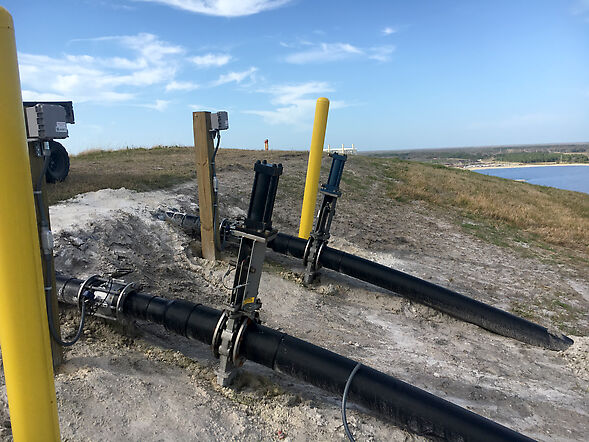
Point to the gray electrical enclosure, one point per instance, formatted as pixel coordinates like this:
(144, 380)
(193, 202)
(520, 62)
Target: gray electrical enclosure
(46, 121)
(219, 121)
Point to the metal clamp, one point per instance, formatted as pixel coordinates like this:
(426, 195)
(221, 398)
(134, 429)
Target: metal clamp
(238, 361)
(121, 300)
(307, 250)
(88, 281)
(216, 342)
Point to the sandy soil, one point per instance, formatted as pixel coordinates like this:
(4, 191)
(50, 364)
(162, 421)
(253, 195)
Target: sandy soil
(142, 383)
(514, 165)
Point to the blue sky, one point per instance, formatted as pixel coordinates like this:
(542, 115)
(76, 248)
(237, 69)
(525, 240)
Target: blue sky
(399, 74)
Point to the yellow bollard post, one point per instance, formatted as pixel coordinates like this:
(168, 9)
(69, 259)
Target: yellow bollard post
(24, 335)
(314, 167)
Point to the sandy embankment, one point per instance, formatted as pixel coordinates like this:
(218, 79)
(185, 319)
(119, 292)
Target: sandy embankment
(514, 165)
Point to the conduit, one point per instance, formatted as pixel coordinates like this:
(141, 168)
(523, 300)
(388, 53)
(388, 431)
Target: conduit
(426, 293)
(406, 405)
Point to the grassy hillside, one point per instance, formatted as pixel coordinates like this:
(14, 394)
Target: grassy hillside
(556, 216)
(137, 169)
(489, 207)
(558, 153)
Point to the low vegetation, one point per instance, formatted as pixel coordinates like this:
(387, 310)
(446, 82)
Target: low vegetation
(542, 157)
(556, 216)
(559, 153)
(492, 208)
(137, 169)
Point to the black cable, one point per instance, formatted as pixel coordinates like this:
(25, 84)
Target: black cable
(47, 283)
(52, 330)
(345, 399)
(218, 244)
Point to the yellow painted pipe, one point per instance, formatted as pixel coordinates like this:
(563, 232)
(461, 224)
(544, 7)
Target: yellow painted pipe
(24, 335)
(314, 167)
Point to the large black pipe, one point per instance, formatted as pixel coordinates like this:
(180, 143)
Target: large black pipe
(426, 293)
(406, 405)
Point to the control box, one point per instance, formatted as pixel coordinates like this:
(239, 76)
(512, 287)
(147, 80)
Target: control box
(219, 121)
(46, 121)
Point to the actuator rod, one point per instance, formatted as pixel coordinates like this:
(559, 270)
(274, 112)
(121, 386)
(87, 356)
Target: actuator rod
(429, 294)
(406, 405)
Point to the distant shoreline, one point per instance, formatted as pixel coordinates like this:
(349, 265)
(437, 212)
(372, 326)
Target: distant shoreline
(517, 165)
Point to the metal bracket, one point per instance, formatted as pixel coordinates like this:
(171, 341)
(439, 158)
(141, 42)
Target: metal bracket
(84, 286)
(230, 337)
(109, 296)
(244, 306)
(320, 235)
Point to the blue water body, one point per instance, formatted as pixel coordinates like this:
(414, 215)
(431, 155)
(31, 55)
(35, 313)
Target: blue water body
(562, 177)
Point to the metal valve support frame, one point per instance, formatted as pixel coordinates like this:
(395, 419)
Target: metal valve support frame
(319, 237)
(254, 234)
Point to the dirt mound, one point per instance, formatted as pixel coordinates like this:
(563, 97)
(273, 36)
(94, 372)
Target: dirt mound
(142, 383)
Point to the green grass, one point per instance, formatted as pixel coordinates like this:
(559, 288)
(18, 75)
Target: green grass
(542, 157)
(137, 169)
(498, 208)
(563, 314)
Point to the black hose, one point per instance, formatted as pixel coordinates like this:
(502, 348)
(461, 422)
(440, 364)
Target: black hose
(218, 244)
(426, 293)
(47, 257)
(406, 405)
(345, 399)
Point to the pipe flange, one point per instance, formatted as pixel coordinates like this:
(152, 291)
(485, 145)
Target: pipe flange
(237, 360)
(307, 251)
(317, 257)
(88, 281)
(217, 334)
(121, 300)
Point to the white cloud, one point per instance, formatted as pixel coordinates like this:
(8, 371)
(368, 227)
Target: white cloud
(381, 53)
(329, 52)
(209, 60)
(388, 31)
(181, 86)
(295, 103)
(28, 95)
(149, 47)
(224, 8)
(86, 78)
(159, 105)
(235, 77)
(324, 52)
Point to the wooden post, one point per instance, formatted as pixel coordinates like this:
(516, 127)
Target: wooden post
(203, 143)
(36, 169)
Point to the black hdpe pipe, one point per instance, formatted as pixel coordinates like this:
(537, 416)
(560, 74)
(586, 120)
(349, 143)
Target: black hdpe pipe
(408, 406)
(434, 296)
